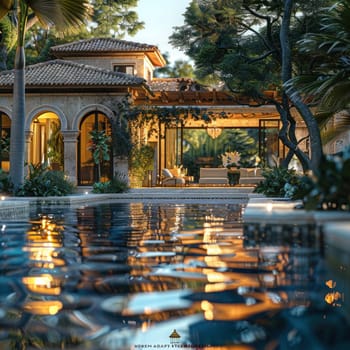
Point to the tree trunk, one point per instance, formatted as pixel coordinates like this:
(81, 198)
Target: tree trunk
(17, 141)
(302, 108)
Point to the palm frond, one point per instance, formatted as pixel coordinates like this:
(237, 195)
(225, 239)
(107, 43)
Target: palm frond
(64, 14)
(336, 98)
(5, 7)
(341, 124)
(332, 133)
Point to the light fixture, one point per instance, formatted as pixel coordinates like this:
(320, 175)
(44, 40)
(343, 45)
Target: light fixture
(214, 132)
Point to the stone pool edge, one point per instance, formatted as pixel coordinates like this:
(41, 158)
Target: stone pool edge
(335, 224)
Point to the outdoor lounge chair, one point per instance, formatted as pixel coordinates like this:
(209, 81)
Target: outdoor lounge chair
(170, 179)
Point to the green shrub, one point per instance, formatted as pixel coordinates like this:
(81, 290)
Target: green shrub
(118, 184)
(331, 184)
(298, 188)
(5, 183)
(281, 182)
(43, 182)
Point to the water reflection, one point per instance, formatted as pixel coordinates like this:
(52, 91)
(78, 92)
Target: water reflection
(132, 276)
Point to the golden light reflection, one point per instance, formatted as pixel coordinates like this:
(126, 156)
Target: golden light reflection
(43, 242)
(207, 308)
(44, 284)
(334, 297)
(331, 284)
(43, 307)
(214, 261)
(215, 277)
(210, 239)
(236, 312)
(217, 287)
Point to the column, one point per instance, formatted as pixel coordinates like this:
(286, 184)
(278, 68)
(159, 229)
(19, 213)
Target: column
(27, 159)
(70, 140)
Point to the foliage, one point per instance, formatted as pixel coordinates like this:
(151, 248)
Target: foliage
(112, 18)
(99, 145)
(327, 189)
(121, 139)
(5, 183)
(8, 39)
(281, 182)
(243, 141)
(180, 69)
(118, 184)
(4, 145)
(325, 81)
(240, 42)
(42, 182)
(230, 159)
(141, 161)
(55, 144)
(197, 144)
(64, 15)
(331, 184)
(299, 188)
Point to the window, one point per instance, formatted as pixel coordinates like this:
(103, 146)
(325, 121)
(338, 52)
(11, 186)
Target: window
(88, 171)
(124, 68)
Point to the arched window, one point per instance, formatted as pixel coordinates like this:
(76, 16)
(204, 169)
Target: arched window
(47, 142)
(87, 169)
(5, 132)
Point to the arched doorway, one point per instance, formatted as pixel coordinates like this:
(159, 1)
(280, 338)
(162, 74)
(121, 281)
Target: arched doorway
(5, 132)
(87, 169)
(47, 141)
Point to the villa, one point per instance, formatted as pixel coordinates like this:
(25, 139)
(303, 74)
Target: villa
(81, 89)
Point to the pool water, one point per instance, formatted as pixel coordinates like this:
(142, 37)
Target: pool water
(162, 275)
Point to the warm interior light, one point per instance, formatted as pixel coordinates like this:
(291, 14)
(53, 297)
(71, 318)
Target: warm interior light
(214, 132)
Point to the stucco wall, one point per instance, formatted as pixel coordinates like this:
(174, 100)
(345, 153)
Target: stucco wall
(70, 109)
(143, 66)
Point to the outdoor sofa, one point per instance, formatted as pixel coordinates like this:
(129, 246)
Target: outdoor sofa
(250, 176)
(213, 176)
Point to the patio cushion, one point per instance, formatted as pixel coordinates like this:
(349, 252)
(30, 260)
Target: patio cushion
(167, 173)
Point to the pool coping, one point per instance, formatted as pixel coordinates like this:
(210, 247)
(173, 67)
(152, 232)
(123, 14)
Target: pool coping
(334, 225)
(280, 210)
(16, 208)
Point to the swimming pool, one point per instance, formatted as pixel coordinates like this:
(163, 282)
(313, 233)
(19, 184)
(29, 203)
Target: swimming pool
(164, 275)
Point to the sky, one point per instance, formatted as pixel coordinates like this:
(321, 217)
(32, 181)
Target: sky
(160, 16)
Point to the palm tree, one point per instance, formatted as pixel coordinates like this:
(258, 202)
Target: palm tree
(328, 83)
(63, 14)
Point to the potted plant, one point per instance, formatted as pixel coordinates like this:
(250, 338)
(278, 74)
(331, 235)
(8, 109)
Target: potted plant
(55, 147)
(55, 159)
(99, 146)
(140, 163)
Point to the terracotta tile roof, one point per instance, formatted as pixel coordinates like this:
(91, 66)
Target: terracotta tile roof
(100, 46)
(175, 84)
(97, 45)
(61, 73)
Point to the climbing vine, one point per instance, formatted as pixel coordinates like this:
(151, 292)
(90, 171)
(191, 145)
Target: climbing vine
(128, 117)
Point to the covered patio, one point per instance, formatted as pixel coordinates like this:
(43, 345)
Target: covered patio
(195, 128)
